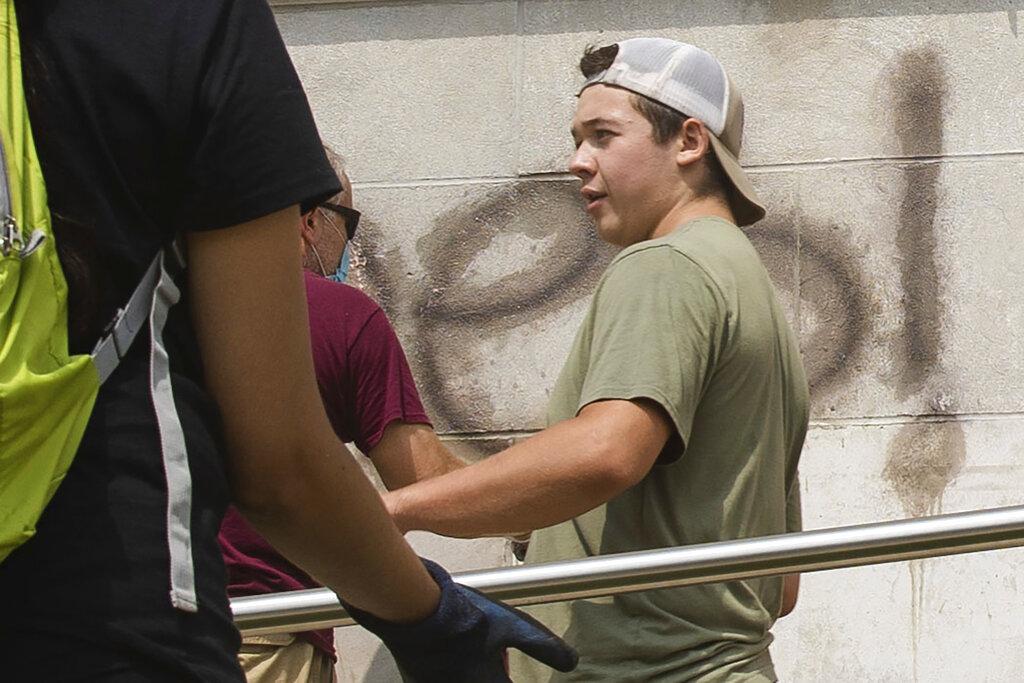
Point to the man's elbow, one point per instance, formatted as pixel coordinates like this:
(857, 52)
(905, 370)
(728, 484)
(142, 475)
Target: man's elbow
(616, 470)
(787, 607)
(268, 492)
(623, 440)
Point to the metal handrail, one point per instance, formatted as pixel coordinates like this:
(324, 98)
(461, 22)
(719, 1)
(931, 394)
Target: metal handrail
(850, 546)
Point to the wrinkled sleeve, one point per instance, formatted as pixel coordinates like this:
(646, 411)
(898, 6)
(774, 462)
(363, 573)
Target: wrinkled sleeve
(384, 389)
(656, 319)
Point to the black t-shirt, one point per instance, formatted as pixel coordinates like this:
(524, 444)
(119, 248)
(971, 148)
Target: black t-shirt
(151, 117)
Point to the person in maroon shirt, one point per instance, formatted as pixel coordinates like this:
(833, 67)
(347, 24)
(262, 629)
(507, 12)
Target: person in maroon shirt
(370, 398)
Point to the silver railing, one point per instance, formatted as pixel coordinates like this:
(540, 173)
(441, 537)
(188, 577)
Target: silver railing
(850, 546)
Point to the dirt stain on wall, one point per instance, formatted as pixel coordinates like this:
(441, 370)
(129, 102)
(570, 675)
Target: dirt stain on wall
(450, 312)
(923, 460)
(547, 282)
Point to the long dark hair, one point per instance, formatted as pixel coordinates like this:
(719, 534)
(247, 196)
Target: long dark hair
(74, 231)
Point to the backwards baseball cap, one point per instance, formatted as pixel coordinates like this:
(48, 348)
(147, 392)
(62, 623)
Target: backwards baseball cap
(693, 83)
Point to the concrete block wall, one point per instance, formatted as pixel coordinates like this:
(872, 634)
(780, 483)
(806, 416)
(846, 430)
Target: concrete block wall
(888, 141)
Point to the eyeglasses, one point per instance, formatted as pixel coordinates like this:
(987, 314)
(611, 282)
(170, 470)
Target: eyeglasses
(351, 217)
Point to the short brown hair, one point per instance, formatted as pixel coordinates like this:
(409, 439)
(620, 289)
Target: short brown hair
(665, 121)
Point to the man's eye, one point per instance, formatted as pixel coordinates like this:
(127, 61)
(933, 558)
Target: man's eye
(602, 134)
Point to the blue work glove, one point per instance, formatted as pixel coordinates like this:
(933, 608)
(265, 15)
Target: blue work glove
(466, 638)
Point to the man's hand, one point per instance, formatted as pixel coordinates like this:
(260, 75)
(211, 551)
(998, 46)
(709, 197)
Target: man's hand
(466, 638)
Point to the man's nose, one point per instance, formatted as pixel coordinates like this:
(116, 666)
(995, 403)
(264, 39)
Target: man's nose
(581, 164)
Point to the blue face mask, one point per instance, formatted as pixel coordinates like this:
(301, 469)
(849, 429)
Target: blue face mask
(341, 274)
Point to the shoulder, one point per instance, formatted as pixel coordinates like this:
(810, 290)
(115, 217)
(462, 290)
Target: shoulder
(665, 274)
(334, 305)
(658, 263)
(337, 291)
(710, 250)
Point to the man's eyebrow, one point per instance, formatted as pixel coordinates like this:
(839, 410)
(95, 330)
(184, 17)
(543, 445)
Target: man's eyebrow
(596, 121)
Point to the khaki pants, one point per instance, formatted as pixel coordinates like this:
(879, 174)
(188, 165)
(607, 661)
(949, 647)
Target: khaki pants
(283, 658)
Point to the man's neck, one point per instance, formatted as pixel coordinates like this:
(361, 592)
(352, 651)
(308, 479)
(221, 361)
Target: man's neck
(702, 207)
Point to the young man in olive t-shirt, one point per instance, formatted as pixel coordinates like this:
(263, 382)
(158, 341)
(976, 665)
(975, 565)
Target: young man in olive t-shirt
(681, 411)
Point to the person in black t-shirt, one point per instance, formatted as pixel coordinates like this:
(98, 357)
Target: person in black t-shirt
(155, 118)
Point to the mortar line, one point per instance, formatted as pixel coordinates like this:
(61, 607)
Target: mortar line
(486, 436)
(870, 161)
(754, 169)
(924, 418)
(288, 5)
(819, 423)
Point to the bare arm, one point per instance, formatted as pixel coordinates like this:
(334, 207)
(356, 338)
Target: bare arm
(290, 475)
(790, 589)
(555, 475)
(408, 453)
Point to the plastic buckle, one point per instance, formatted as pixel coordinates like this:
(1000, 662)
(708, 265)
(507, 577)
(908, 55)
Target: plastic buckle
(10, 236)
(111, 331)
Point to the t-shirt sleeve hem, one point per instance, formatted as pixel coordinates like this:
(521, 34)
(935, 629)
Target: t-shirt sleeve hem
(305, 191)
(612, 393)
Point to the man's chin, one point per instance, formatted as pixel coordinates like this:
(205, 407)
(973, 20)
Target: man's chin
(612, 233)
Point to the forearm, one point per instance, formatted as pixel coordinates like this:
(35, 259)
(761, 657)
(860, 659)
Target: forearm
(347, 542)
(408, 453)
(442, 461)
(555, 475)
(559, 473)
(790, 590)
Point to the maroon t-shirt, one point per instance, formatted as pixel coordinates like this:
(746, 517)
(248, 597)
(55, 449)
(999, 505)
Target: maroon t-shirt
(366, 384)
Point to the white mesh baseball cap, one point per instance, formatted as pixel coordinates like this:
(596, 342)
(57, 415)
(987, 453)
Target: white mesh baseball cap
(693, 83)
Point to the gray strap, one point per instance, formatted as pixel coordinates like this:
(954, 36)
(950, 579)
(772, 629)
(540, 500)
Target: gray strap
(152, 300)
(172, 446)
(109, 350)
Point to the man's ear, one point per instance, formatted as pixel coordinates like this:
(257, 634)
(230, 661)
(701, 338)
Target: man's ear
(308, 231)
(692, 142)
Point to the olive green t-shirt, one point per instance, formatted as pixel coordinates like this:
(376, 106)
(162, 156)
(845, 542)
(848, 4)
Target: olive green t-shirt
(690, 321)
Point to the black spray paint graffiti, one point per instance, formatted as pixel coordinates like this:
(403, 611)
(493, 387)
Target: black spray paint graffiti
(919, 83)
(829, 283)
(446, 315)
(451, 314)
(566, 271)
(924, 459)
